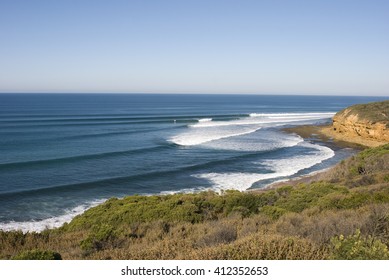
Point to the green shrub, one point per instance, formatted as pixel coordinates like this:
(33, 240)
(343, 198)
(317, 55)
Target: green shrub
(97, 238)
(241, 211)
(192, 208)
(37, 255)
(356, 247)
(305, 196)
(273, 212)
(345, 201)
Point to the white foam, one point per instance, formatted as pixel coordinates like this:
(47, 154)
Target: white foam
(197, 137)
(208, 130)
(240, 122)
(266, 141)
(290, 166)
(53, 222)
(234, 180)
(277, 168)
(276, 115)
(271, 119)
(205, 120)
(181, 191)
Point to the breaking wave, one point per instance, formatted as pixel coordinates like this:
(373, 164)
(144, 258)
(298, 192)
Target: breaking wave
(207, 129)
(205, 120)
(197, 137)
(275, 168)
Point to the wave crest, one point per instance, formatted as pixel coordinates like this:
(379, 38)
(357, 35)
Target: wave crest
(205, 120)
(193, 138)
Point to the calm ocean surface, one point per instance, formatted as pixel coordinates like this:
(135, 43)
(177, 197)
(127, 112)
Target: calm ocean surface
(61, 154)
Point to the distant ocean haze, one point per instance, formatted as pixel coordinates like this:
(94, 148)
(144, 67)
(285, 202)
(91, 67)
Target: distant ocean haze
(63, 153)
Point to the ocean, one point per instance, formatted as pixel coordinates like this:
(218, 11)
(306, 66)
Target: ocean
(64, 153)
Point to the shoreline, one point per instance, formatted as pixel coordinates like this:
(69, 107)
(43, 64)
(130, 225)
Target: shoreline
(318, 132)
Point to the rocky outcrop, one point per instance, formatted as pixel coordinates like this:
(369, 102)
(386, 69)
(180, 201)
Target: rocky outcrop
(369, 121)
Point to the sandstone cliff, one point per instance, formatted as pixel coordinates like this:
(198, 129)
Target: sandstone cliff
(369, 121)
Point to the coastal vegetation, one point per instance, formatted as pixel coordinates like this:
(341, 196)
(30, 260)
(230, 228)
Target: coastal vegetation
(345, 215)
(372, 112)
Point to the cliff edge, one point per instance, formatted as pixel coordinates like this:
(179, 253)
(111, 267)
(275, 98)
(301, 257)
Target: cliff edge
(364, 124)
(369, 121)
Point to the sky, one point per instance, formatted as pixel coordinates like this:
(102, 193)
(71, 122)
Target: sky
(338, 47)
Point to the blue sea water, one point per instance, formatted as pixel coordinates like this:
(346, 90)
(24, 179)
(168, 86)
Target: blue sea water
(63, 153)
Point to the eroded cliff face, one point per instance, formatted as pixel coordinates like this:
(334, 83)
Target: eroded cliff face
(349, 123)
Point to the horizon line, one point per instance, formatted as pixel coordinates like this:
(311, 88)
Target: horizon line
(196, 93)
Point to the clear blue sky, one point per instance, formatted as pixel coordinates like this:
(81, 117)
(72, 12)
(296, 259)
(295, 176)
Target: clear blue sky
(241, 46)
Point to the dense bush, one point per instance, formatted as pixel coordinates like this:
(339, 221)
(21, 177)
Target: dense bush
(97, 238)
(192, 208)
(356, 247)
(37, 255)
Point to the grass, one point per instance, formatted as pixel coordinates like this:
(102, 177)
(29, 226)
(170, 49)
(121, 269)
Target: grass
(345, 216)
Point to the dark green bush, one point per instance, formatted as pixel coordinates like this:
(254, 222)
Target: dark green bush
(305, 196)
(37, 255)
(273, 212)
(97, 238)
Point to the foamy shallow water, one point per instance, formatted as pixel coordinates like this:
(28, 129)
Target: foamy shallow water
(275, 168)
